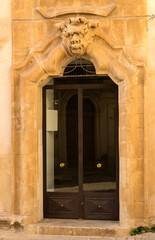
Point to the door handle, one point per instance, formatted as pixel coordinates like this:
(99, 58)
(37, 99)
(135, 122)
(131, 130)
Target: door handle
(99, 206)
(99, 165)
(62, 165)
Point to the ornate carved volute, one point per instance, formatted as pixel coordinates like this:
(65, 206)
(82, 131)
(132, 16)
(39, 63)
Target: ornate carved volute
(76, 34)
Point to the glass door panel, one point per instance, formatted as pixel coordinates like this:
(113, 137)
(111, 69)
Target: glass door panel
(61, 140)
(99, 140)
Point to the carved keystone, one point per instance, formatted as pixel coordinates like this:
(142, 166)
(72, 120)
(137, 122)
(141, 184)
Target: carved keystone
(76, 34)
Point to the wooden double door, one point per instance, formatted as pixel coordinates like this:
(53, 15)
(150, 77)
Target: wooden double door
(81, 150)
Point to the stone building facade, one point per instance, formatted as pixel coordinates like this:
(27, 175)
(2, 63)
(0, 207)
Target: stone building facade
(117, 37)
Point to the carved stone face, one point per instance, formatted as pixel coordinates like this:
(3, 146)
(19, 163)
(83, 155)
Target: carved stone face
(76, 34)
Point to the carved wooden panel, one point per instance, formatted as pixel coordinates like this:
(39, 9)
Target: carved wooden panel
(61, 206)
(52, 8)
(97, 207)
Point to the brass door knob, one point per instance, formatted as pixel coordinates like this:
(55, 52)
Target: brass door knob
(99, 165)
(99, 206)
(62, 205)
(62, 165)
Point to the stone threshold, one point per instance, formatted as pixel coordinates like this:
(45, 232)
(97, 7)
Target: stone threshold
(75, 227)
(22, 236)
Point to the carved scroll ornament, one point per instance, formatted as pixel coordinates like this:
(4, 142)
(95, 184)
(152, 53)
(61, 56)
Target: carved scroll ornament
(76, 34)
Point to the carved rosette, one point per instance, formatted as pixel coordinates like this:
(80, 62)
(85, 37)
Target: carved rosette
(76, 34)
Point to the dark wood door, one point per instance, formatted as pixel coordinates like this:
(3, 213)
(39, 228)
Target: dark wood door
(81, 153)
(88, 133)
(72, 131)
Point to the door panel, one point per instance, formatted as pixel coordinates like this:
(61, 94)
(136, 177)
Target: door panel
(61, 142)
(62, 205)
(99, 121)
(98, 206)
(88, 133)
(72, 132)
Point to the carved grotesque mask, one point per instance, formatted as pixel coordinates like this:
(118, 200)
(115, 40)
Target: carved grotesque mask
(76, 34)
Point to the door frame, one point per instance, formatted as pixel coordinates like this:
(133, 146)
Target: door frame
(81, 196)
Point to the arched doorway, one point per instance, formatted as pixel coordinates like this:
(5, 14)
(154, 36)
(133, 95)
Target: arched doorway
(81, 145)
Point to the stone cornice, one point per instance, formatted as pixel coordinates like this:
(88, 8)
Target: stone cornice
(103, 8)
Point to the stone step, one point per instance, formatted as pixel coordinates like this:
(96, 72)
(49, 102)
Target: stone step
(77, 228)
(22, 236)
(49, 237)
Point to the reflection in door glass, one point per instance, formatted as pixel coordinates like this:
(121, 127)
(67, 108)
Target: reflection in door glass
(99, 140)
(61, 140)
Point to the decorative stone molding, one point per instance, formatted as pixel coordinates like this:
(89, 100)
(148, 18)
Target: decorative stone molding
(77, 38)
(76, 34)
(53, 8)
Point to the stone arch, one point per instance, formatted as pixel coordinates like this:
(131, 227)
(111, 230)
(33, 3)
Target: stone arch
(107, 60)
(50, 59)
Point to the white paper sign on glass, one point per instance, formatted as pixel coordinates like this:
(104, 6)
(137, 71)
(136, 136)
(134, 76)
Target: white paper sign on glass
(52, 120)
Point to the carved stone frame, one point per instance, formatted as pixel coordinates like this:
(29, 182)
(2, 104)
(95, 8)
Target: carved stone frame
(28, 80)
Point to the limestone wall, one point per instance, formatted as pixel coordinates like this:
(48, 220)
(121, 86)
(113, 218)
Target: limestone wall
(5, 105)
(21, 178)
(149, 166)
